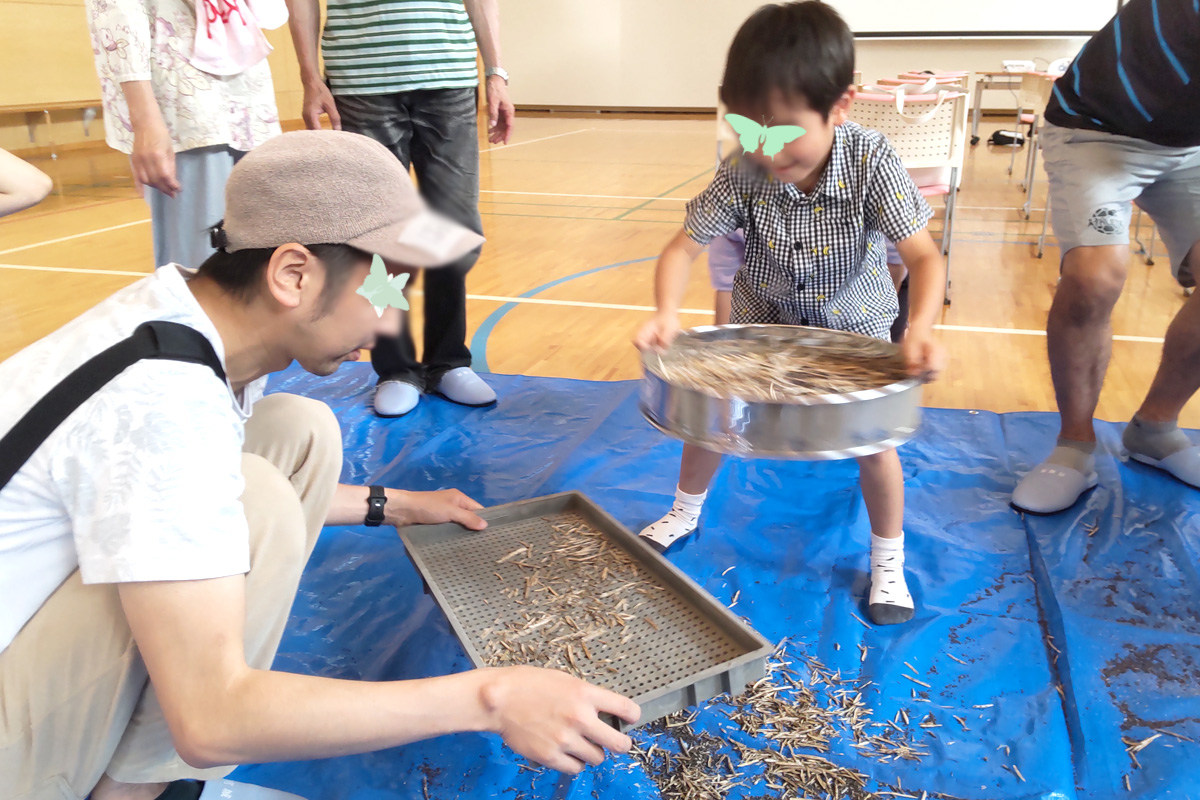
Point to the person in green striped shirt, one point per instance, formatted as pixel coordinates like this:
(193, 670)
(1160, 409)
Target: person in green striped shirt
(403, 72)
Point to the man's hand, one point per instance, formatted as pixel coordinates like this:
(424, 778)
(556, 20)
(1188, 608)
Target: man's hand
(500, 110)
(153, 157)
(925, 356)
(553, 718)
(432, 508)
(319, 100)
(658, 333)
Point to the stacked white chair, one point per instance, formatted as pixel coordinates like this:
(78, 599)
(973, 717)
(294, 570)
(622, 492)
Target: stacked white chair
(928, 132)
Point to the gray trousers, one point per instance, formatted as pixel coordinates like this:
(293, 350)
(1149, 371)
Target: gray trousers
(181, 223)
(434, 131)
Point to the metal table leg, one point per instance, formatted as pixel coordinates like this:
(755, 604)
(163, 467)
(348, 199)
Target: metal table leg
(1031, 168)
(948, 227)
(1137, 229)
(1012, 162)
(1045, 222)
(979, 85)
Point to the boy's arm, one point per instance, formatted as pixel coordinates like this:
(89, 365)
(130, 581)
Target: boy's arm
(671, 272)
(894, 206)
(716, 211)
(926, 294)
(670, 282)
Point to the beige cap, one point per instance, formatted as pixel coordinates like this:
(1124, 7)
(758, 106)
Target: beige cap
(335, 187)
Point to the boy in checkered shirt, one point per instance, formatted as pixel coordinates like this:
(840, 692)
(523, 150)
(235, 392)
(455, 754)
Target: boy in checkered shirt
(815, 218)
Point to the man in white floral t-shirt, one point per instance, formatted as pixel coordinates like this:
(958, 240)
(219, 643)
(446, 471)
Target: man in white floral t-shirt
(152, 540)
(185, 101)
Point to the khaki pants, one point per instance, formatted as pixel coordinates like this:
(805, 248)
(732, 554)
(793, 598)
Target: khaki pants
(74, 698)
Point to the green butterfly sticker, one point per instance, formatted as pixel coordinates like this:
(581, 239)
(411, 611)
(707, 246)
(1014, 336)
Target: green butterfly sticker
(771, 138)
(384, 290)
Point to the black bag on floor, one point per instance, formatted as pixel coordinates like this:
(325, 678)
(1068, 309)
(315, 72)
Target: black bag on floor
(1007, 138)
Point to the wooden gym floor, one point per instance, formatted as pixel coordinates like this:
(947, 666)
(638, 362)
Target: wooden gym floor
(575, 210)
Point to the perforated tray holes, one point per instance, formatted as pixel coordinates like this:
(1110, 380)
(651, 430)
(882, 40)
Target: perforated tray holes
(685, 643)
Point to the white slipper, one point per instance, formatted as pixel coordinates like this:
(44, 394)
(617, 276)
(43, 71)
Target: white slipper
(464, 386)
(1183, 464)
(1051, 488)
(395, 398)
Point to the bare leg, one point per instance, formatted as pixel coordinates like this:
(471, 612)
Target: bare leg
(699, 465)
(696, 472)
(108, 789)
(882, 480)
(724, 307)
(1153, 436)
(1178, 376)
(1079, 340)
(697, 468)
(1079, 332)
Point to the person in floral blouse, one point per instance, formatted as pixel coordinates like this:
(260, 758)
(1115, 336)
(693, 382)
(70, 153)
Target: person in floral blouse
(185, 101)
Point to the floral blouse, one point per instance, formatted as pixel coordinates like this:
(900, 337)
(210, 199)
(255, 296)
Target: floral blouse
(152, 40)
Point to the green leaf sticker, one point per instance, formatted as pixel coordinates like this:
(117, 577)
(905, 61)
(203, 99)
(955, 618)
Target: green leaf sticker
(771, 138)
(384, 290)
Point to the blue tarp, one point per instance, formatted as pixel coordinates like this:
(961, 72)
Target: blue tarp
(1103, 600)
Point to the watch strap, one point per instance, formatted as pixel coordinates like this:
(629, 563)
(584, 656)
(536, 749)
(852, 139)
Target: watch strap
(376, 500)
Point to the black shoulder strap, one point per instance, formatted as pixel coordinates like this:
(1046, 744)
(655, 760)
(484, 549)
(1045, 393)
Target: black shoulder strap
(155, 340)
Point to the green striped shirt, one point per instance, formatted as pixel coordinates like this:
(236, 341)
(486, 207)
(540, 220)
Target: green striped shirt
(385, 46)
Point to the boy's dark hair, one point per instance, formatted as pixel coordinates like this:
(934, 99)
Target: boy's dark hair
(804, 50)
(240, 272)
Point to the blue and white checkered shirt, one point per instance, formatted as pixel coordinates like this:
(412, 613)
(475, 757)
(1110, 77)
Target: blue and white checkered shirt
(816, 259)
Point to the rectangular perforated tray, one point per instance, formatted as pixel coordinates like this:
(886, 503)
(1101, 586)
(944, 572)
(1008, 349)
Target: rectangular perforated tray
(700, 649)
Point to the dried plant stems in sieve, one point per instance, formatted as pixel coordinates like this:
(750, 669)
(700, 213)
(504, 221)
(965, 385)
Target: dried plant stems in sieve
(772, 366)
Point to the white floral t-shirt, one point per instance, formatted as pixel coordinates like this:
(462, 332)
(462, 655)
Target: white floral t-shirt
(143, 481)
(152, 40)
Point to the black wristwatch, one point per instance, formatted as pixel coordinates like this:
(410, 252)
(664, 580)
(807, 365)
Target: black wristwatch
(375, 503)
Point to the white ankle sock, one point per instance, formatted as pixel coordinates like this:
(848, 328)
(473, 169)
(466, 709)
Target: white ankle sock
(679, 521)
(888, 587)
